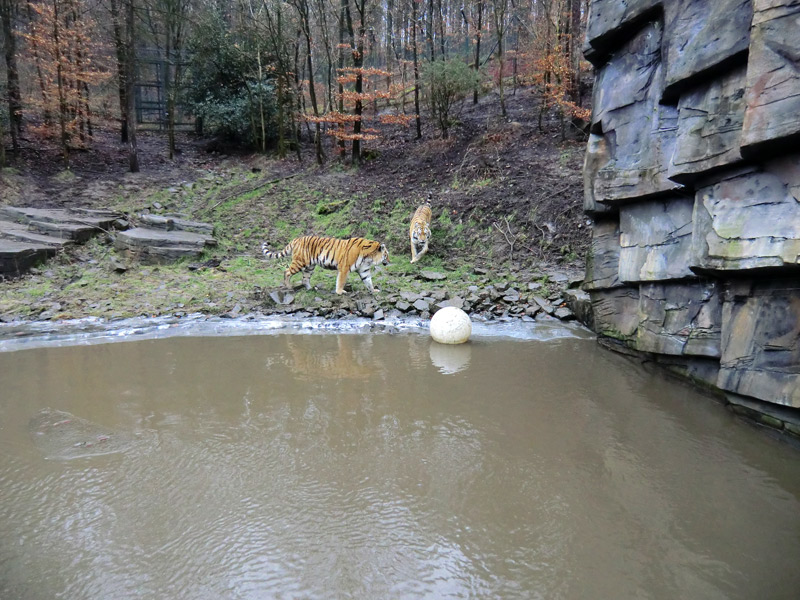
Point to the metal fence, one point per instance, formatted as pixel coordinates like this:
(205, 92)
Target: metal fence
(150, 90)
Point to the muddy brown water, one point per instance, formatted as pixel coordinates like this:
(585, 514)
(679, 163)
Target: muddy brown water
(381, 466)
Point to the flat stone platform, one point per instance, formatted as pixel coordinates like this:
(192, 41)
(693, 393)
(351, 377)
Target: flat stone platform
(29, 236)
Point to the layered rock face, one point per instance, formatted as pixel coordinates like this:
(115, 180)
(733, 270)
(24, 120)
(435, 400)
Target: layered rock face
(692, 176)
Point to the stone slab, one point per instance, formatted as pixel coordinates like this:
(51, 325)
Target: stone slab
(17, 257)
(84, 217)
(656, 240)
(638, 132)
(602, 260)
(709, 127)
(703, 38)
(680, 318)
(139, 237)
(598, 156)
(750, 219)
(616, 313)
(772, 116)
(761, 340)
(174, 222)
(21, 233)
(65, 230)
(612, 20)
(162, 246)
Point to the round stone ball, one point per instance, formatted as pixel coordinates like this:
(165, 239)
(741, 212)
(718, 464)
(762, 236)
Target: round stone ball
(450, 325)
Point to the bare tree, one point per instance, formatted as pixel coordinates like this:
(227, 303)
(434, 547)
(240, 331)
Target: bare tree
(8, 13)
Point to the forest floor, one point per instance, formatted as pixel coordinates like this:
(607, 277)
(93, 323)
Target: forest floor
(507, 206)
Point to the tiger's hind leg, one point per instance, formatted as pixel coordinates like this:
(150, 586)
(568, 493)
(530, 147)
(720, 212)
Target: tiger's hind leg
(294, 268)
(307, 271)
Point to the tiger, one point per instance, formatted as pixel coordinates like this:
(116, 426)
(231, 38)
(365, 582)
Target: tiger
(420, 230)
(353, 254)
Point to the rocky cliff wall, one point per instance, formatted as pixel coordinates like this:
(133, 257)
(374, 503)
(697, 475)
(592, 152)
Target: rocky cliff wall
(692, 176)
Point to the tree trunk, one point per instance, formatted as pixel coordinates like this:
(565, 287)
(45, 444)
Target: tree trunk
(478, 29)
(48, 117)
(119, 47)
(7, 13)
(416, 66)
(63, 108)
(130, 82)
(575, 54)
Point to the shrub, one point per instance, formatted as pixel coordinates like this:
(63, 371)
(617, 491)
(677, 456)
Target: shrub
(225, 87)
(447, 83)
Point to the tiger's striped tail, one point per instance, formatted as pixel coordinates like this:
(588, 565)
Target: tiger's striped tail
(270, 254)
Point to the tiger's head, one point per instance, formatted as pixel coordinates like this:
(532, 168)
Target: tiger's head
(381, 256)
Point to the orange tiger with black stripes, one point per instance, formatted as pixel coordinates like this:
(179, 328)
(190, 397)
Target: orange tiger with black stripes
(354, 254)
(420, 230)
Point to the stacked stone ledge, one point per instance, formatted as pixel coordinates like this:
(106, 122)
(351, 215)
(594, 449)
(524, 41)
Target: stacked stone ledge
(692, 176)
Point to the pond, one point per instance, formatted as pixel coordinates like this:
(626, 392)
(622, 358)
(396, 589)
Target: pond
(361, 464)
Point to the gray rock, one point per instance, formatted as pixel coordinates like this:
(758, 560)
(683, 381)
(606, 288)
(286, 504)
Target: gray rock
(454, 301)
(432, 275)
(608, 21)
(639, 132)
(710, 127)
(17, 257)
(750, 219)
(699, 37)
(655, 240)
(761, 341)
(564, 314)
(580, 303)
(544, 305)
(616, 313)
(402, 305)
(680, 318)
(602, 260)
(531, 310)
(281, 297)
(422, 305)
(410, 296)
(772, 98)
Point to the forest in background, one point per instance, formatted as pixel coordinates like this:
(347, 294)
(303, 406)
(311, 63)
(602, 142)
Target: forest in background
(269, 75)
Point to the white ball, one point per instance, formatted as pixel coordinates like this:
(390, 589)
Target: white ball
(451, 325)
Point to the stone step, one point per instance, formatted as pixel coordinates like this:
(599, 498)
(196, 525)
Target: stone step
(65, 230)
(20, 232)
(98, 219)
(175, 222)
(159, 245)
(17, 257)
